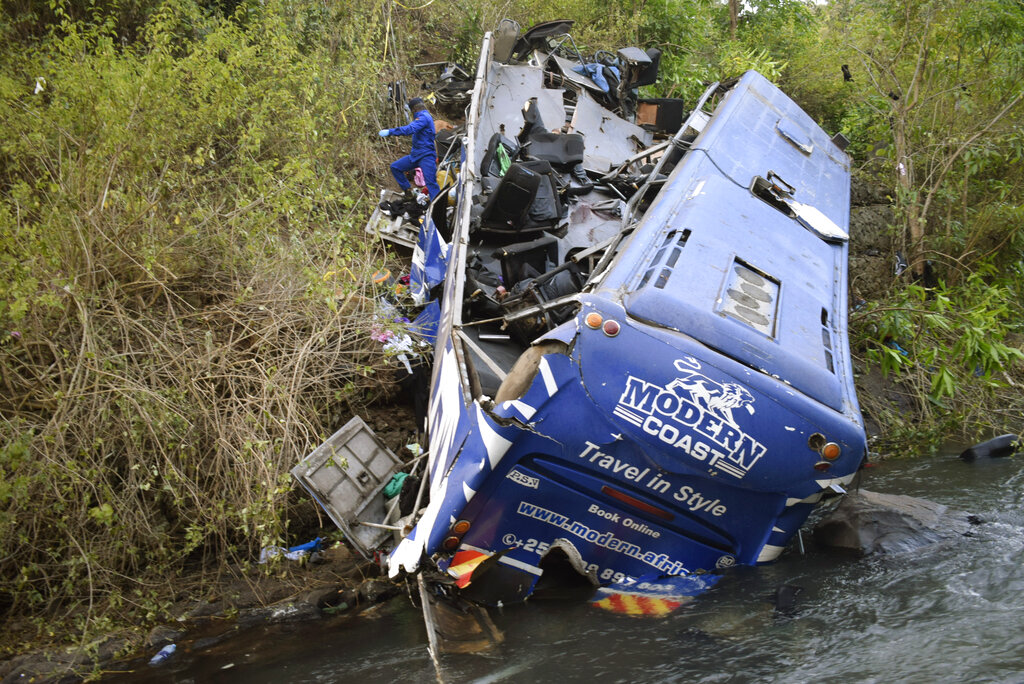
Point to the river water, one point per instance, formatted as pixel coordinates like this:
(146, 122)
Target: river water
(950, 613)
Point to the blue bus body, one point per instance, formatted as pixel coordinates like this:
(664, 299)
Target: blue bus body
(698, 403)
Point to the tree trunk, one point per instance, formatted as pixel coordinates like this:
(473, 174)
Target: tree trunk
(912, 239)
(734, 13)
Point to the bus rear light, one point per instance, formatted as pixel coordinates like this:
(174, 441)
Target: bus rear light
(637, 503)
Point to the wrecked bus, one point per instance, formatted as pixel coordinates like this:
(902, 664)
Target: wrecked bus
(641, 367)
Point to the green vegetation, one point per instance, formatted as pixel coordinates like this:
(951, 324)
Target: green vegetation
(935, 112)
(181, 304)
(183, 188)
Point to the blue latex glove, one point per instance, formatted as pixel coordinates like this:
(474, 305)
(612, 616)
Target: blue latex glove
(384, 132)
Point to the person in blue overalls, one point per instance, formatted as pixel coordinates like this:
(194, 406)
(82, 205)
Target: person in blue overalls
(423, 154)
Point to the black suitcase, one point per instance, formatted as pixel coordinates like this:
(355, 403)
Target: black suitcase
(507, 207)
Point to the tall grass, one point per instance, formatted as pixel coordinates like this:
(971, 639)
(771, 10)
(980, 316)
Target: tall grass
(182, 307)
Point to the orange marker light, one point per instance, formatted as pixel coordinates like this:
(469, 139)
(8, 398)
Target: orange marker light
(462, 527)
(831, 451)
(593, 320)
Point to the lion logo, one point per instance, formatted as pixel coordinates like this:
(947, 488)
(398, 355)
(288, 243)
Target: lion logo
(716, 398)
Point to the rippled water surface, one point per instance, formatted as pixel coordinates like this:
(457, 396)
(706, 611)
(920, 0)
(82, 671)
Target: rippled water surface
(951, 613)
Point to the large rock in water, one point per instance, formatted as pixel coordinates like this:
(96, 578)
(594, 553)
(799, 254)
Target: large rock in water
(868, 522)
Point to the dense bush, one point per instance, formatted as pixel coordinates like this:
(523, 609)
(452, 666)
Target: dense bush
(181, 309)
(953, 352)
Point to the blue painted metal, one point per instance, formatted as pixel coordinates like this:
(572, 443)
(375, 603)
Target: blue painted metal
(683, 444)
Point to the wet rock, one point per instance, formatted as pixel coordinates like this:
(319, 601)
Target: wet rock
(323, 596)
(315, 603)
(285, 611)
(869, 523)
(374, 591)
(60, 666)
(207, 608)
(207, 642)
(161, 635)
(334, 599)
(111, 648)
(785, 600)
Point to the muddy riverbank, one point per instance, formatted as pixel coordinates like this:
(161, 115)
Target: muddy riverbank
(339, 582)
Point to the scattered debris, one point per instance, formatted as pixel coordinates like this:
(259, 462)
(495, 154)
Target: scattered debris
(163, 655)
(308, 551)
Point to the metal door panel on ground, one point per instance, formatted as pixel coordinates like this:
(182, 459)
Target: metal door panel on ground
(347, 475)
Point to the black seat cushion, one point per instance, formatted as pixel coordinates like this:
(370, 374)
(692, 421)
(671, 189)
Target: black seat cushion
(565, 148)
(489, 166)
(507, 207)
